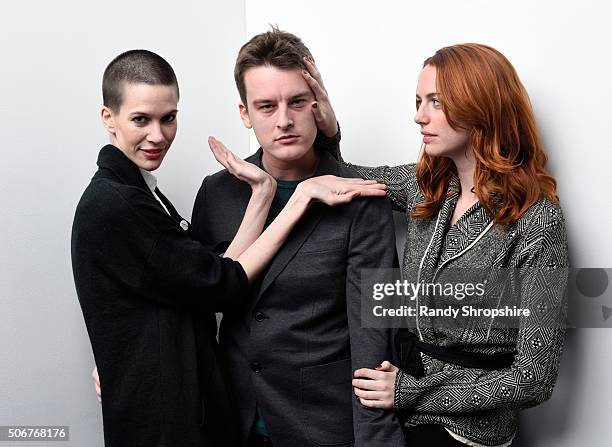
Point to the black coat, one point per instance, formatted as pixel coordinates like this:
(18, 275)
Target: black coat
(295, 346)
(148, 294)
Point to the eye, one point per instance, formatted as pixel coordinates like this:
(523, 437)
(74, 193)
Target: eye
(298, 102)
(436, 103)
(140, 120)
(418, 103)
(266, 107)
(170, 118)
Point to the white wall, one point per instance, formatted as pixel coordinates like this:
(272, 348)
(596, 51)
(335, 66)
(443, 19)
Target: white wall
(370, 54)
(53, 56)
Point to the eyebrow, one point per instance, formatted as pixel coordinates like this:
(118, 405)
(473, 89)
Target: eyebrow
(299, 95)
(259, 102)
(148, 114)
(428, 95)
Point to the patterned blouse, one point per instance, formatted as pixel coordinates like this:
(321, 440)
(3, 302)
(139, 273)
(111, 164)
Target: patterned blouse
(482, 406)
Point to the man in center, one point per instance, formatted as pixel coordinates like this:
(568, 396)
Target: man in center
(291, 353)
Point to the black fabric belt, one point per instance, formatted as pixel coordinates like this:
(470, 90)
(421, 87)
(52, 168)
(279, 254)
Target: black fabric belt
(409, 349)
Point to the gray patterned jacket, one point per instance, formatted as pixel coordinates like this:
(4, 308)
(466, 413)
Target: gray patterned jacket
(480, 405)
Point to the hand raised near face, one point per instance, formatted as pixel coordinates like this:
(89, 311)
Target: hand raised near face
(321, 107)
(242, 170)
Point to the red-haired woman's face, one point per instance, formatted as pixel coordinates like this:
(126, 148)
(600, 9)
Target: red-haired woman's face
(440, 139)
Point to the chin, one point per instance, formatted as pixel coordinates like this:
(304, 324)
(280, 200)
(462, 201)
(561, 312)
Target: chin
(289, 153)
(149, 165)
(434, 151)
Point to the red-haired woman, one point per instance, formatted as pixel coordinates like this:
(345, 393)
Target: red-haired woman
(479, 199)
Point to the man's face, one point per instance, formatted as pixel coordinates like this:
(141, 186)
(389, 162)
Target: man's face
(278, 109)
(145, 125)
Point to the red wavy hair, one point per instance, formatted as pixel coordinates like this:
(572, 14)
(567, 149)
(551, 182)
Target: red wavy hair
(480, 91)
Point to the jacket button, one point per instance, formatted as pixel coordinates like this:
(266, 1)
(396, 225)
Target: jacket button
(260, 316)
(256, 367)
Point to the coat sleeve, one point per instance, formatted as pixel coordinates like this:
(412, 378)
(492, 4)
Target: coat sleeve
(371, 246)
(531, 378)
(400, 180)
(124, 237)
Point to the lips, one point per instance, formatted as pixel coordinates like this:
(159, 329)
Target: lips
(427, 137)
(152, 154)
(287, 139)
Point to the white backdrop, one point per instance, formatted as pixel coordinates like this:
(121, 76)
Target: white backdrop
(370, 53)
(53, 57)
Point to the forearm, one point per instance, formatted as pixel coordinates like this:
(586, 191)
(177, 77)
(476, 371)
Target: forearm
(253, 221)
(261, 252)
(528, 382)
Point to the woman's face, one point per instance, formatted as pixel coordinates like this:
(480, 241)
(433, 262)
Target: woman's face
(440, 139)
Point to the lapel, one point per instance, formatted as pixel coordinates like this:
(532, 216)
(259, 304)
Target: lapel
(112, 159)
(449, 240)
(441, 223)
(185, 226)
(303, 229)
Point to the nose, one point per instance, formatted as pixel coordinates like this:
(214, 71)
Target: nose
(421, 117)
(284, 118)
(155, 134)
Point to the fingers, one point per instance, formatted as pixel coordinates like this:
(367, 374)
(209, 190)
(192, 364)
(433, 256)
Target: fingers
(313, 73)
(219, 151)
(224, 156)
(367, 373)
(369, 395)
(369, 385)
(387, 366)
(96, 379)
(372, 191)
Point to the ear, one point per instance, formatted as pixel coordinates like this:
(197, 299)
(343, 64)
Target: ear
(108, 119)
(244, 115)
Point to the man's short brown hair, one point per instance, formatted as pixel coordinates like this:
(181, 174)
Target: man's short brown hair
(275, 48)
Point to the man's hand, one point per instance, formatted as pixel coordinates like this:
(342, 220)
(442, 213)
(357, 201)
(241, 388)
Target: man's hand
(321, 107)
(257, 178)
(333, 190)
(96, 380)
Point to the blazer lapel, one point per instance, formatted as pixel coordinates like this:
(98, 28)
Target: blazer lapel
(303, 229)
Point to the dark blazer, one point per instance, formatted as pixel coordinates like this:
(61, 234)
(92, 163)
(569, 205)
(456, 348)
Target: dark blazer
(148, 292)
(293, 349)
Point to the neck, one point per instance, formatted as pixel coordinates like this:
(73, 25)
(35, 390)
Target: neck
(297, 169)
(466, 165)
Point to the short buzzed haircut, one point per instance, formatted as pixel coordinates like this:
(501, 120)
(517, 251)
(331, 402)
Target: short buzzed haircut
(134, 67)
(274, 48)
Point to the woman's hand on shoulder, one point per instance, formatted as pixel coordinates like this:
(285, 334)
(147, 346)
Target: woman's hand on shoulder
(333, 190)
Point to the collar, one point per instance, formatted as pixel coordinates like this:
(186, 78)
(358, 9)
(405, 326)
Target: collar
(149, 179)
(111, 158)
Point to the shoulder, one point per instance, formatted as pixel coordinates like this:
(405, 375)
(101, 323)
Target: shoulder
(541, 235)
(103, 194)
(107, 201)
(541, 217)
